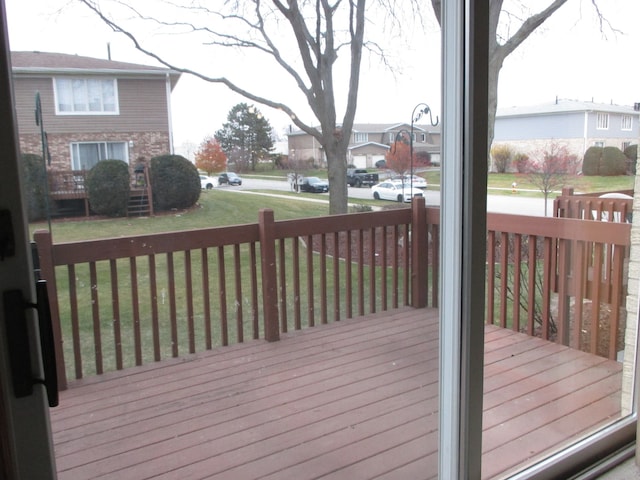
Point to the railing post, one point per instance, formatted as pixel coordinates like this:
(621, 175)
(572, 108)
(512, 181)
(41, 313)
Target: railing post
(266, 225)
(47, 272)
(419, 253)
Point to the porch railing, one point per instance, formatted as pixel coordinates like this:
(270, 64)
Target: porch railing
(134, 300)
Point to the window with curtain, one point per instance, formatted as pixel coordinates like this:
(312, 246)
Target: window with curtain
(85, 155)
(91, 96)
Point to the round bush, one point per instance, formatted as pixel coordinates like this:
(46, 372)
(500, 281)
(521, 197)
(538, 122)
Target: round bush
(607, 161)
(613, 162)
(35, 187)
(108, 188)
(591, 161)
(631, 152)
(175, 182)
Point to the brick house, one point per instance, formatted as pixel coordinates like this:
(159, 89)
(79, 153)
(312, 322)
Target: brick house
(573, 124)
(92, 109)
(368, 144)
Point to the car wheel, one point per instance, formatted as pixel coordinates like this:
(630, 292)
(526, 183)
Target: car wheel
(400, 198)
(358, 183)
(376, 195)
(209, 186)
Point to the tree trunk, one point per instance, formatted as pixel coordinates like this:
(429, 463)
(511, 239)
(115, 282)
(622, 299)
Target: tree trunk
(337, 171)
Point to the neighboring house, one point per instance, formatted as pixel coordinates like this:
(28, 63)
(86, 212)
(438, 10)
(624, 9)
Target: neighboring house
(576, 125)
(92, 109)
(368, 144)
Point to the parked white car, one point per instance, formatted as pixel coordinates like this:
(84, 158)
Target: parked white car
(415, 180)
(207, 183)
(395, 191)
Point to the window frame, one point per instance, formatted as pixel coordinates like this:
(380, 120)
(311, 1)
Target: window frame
(602, 121)
(629, 120)
(74, 147)
(57, 93)
(463, 231)
(360, 137)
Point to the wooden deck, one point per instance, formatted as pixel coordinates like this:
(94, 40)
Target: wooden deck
(348, 400)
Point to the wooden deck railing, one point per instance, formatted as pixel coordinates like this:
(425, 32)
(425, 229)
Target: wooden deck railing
(71, 185)
(129, 301)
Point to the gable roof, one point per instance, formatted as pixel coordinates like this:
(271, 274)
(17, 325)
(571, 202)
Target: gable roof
(62, 63)
(564, 106)
(381, 128)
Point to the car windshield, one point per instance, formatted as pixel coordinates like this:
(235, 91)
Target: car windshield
(231, 174)
(313, 180)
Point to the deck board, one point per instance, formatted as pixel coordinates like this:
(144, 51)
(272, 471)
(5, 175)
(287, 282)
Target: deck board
(352, 399)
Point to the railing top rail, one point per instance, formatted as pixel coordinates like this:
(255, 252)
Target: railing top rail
(140, 245)
(341, 223)
(614, 233)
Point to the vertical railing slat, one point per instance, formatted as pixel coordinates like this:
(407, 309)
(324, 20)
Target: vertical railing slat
(188, 280)
(135, 309)
(115, 308)
(239, 300)
(95, 315)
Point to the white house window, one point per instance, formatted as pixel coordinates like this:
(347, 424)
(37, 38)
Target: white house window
(89, 96)
(85, 155)
(603, 121)
(627, 122)
(424, 137)
(361, 137)
(625, 145)
(598, 144)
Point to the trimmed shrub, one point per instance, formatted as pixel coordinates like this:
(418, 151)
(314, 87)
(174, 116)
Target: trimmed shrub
(34, 184)
(591, 161)
(607, 161)
(502, 156)
(175, 182)
(613, 162)
(108, 188)
(522, 163)
(631, 152)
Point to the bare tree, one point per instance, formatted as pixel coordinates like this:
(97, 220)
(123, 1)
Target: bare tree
(319, 29)
(550, 171)
(501, 47)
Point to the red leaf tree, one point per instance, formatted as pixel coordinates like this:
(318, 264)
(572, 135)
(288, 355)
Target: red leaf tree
(210, 156)
(398, 157)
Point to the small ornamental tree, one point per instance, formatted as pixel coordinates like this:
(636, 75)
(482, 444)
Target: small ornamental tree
(210, 157)
(398, 157)
(549, 172)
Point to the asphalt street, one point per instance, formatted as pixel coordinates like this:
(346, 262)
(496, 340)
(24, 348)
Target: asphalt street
(514, 203)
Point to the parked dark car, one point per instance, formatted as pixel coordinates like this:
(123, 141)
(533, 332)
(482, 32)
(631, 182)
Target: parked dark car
(229, 178)
(313, 185)
(381, 163)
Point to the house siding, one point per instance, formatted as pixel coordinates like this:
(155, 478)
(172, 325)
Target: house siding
(540, 127)
(142, 103)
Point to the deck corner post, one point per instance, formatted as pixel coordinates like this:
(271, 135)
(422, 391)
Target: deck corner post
(419, 253)
(266, 225)
(44, 246)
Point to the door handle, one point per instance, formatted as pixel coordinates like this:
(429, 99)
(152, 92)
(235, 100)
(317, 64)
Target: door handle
(18, 343)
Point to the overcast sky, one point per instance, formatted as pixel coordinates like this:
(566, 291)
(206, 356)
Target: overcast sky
(568, 58)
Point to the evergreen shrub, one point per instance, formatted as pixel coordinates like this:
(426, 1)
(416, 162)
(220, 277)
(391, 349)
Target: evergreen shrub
(108, 188)
(175, 182)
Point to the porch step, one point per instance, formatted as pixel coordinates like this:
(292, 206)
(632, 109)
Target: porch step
(138, 203)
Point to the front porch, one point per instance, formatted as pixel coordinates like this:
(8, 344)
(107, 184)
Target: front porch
(357, 398)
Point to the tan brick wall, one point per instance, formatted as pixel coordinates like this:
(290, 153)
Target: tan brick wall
(145, 144)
